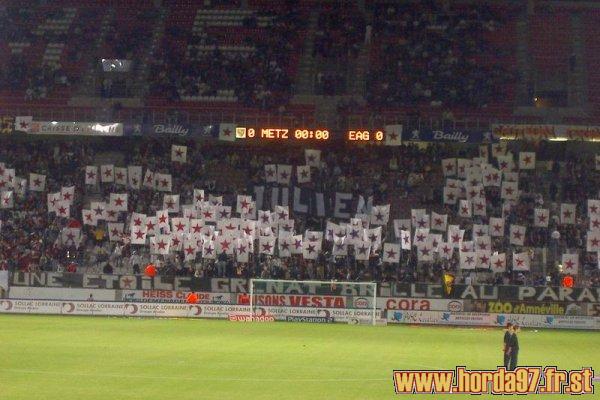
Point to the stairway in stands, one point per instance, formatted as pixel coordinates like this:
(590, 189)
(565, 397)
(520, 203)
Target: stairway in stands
(305, 80)
(592, 56)
(141, 86)
(578, 79)
(356, 81)
(89, 81)
(523, 65)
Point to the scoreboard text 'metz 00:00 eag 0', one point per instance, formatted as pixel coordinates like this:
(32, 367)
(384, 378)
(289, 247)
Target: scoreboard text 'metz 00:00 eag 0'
(308, 134)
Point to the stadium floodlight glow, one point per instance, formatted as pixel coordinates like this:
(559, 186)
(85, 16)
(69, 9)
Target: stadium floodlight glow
(358, 298)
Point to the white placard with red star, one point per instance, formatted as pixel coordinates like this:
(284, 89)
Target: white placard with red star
(517, 235)
(178, 153)
(521, 261)
(541, 216)
(107, 173)
(91, 175)
(393, 135)
(567, 214)
(570, 263)
(391, 253)
(468, 260)
(498, 262)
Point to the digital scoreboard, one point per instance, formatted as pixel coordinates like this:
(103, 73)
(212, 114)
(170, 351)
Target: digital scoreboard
(281, 134)
(365, 136)
(278, 134)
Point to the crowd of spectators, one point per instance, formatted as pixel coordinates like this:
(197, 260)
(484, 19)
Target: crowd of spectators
(405, 177)
(204, 68)
(338, 39)
(124, 41)
(427, 55)
(26, 70)
(36, 79)
(424, 53)
(340, 31)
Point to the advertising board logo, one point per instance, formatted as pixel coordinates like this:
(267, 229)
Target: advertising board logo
(239, 317)
(246, 317)
(361, 302)
(131, 309)
(219, 299)
(129, 296)
(549, 320)
(398, 316)
(323, 313)
(446, 317)
(317, 320)
(456, 136)
(68, 307)
(6, 305)
(173, 129)
(263, 318)
(500, 319)
(518, 319)
(195, 309)
(261, 315)
(258, 311)
(455, 306)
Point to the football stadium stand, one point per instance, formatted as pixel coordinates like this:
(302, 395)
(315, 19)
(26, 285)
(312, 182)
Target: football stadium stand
(441, 71)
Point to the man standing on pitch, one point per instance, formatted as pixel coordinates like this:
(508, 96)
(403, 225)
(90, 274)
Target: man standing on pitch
(506, 350)
(514, 348)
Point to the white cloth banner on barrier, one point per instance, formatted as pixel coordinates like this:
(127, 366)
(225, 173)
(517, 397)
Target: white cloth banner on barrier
(171, 296)
(152, 296)
(72, 128)
(49, 293)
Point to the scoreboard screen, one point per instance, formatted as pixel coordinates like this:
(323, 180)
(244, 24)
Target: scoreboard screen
(365, 135)
(278, 134)
(281, 134)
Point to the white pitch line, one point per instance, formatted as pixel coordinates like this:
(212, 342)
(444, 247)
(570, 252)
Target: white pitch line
(186, 378)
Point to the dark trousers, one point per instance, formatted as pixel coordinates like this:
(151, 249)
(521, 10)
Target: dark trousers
(514, 356)
(506, 360)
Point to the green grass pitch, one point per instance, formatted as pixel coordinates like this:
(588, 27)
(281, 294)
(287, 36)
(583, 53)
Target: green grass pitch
(54, 357)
